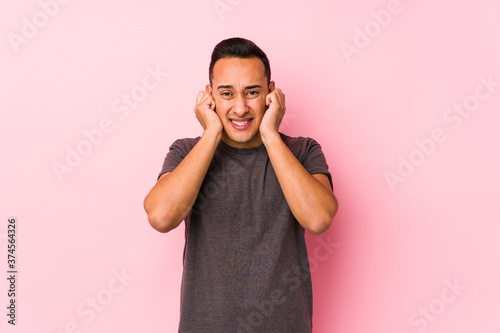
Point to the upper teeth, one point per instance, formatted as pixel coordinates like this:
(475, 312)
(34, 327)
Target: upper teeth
(239, 122)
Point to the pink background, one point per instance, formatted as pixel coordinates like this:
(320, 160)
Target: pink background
(400, 248)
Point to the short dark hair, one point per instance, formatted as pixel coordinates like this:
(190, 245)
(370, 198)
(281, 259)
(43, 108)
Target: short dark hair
(238, 48)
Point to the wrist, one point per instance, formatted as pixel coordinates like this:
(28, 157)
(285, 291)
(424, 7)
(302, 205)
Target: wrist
(269, 136)
(212, 134)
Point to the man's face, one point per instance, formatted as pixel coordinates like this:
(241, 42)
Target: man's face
(239, 89)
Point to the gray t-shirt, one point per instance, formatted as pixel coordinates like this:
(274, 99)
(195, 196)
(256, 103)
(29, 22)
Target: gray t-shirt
(245, 259)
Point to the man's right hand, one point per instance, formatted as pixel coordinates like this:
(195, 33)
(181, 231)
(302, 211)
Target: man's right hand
(173, 196)
(205, 112)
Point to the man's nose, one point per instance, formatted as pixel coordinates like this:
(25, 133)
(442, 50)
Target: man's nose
(240, 105)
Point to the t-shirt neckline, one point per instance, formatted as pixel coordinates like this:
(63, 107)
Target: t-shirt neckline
(228, 148)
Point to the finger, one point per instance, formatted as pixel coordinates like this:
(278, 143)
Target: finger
(200, 96)
(280, 96)
(211, 105)
(203, 99)
(269, 98)
(209, 101)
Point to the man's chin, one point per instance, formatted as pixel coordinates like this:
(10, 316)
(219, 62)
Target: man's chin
(242, 140)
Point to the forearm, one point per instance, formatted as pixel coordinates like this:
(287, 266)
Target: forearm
(173, 196)
(311, 202)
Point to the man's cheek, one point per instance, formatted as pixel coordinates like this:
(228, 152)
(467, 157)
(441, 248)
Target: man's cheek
(220, 106)
(220, 113)
(260, 103)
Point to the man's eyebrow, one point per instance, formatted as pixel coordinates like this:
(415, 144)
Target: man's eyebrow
(228, 86)
(253, 87)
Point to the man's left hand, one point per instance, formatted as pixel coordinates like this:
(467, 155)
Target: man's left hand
(273, 116)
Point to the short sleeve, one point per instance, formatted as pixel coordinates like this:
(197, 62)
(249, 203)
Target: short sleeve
(314, 160)
(176, 153)
(310, 155)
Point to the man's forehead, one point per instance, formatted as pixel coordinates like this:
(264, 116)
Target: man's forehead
(227, 70)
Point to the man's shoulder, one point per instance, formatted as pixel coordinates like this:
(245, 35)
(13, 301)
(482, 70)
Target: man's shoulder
(294, 139)
(185, 144)
(298, 143)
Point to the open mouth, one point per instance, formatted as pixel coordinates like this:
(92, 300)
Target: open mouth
(241, 124)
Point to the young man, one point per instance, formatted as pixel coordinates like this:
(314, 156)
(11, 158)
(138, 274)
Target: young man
(246, 193)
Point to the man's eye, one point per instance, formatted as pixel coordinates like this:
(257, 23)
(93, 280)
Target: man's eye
(225, 94)
(253, 93)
